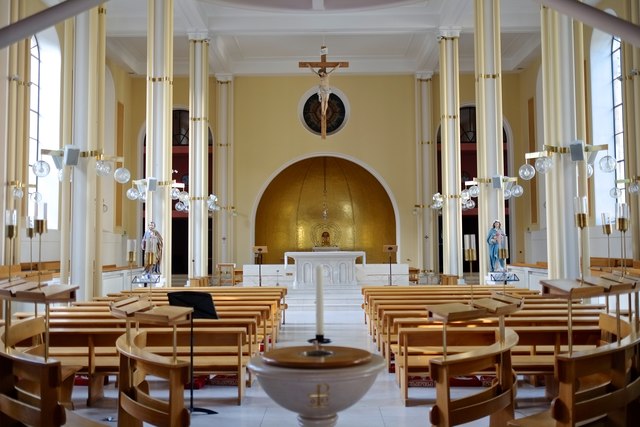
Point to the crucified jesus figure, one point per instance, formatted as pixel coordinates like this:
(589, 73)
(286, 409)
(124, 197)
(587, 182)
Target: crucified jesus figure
(323, 68)
(324, 90)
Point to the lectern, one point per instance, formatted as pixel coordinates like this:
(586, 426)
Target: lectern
(258, 251)
(390, 249)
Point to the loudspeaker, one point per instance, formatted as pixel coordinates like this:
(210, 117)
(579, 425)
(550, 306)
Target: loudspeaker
(390, 248)
(152, 184)
(496, 182)
(71, 155)
(577, 151)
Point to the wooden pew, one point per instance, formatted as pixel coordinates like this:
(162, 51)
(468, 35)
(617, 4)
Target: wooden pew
(38, 409)
(135, 403)
(497, 401)
(417, 346)
(31, 332)
(615, 401)
(218, 350)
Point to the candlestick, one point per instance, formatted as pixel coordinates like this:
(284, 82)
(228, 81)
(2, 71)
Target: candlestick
(11, 223)
(622, 225)
(606, 229)
(30, 233)
(319, 302)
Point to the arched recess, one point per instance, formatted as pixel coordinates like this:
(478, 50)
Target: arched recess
(469, 170)
(325, 195)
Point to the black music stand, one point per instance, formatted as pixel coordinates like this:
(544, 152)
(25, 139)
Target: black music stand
(203, 308)
(258, 251)
(390, 249)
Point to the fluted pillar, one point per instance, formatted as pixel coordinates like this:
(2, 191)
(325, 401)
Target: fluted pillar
(66, 134)
(198, 154)
(100, 49)
(83, 223)
(559, 111)
(427, 179)
(17, 114)
(159, 122)
(223, 236)
(450, 152)
(631, 97)
(490, 155)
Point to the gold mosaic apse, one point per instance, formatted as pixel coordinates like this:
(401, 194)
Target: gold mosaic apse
(325, 201)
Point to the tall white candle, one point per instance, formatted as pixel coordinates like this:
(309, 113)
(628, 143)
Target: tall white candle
(319, 301)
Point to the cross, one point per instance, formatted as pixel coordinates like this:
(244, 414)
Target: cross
(324, 91)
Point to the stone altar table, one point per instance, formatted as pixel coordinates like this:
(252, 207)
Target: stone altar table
(339, 267)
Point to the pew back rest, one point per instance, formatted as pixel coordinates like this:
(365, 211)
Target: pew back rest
(27, 334)
(497, 401)
(616, 365)
(136, 405)
(19, 407)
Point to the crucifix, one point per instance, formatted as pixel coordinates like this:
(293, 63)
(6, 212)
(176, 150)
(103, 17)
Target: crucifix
(324, 68)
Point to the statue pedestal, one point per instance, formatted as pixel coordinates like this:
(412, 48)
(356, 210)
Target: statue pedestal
(338, 267)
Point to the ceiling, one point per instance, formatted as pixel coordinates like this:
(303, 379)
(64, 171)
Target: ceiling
(264, 37)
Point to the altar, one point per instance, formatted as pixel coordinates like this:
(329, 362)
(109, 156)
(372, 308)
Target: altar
(338, 267)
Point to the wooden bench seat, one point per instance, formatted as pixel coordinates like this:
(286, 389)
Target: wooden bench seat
(417, 346)
(37, 408)
(135, 404)
(219, 349)
(497, 401)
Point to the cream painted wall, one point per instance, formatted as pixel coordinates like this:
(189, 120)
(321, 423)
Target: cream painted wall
(380, 135)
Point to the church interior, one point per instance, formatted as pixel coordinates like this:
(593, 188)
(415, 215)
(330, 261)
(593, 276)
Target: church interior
(320, 212)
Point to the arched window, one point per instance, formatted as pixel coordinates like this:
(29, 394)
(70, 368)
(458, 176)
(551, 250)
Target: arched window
(44, 119)
(617, 114)
(608, 116)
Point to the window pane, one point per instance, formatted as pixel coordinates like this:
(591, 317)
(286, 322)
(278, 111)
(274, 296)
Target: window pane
(617, 92)
(619, 142)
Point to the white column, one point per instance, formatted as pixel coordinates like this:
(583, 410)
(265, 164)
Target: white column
(631, 73)
(159, 122)
(427, 179)
(100, 59)
(223, 238)
(450, 152)
(198, 154)
(83, 226)
(66, 133)
(490, 154)
(559, 131)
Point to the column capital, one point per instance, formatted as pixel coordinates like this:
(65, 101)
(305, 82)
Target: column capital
(224, 77)
(448, 33)
(198, 35)
(424, 75)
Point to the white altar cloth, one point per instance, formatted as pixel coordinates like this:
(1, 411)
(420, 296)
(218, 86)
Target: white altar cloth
(339, 267)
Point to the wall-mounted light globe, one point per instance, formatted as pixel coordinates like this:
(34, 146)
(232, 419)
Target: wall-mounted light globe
(183, 197)
(143, 196)
(474, 191)
(470, 204)
(634, 188)
(41, 168)
(464, 194)
(615, 192)
(607, 164)
(175, 193)
(589, 170)
(543, 164)
(18, 193)
(133, 194)
(103, 168)
(37, 197)
(122, 175)
(527, 172)
(507, 193)
(517, 190)
(180, 207)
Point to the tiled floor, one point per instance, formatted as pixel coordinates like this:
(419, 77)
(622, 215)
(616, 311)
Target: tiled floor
(381, 407)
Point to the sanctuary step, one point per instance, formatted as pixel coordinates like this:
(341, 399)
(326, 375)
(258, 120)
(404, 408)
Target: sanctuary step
(335, 299)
